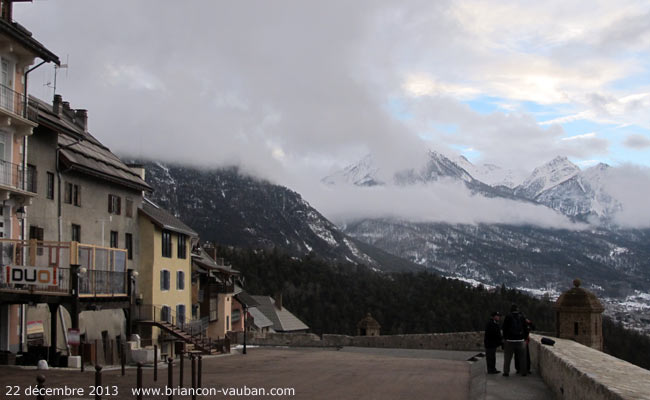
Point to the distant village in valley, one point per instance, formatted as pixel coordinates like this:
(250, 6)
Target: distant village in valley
(87, 257)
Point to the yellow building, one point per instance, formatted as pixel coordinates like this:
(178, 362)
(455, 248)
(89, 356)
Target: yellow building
(165, 274)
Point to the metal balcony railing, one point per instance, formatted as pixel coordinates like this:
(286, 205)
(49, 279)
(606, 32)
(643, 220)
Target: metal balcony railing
(12, 101)
(13, 175)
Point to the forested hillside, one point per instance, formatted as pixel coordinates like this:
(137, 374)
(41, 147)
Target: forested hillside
(333, 298)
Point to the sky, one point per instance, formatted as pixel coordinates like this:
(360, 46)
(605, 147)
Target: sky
(294, 90)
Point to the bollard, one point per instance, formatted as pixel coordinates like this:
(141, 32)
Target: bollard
(123, 359)
(96, 353)
(193, 359)
(181, 355)
(98, 381)
(81, 354)
(155, 363)
(139, 381)
(170, 376)
(198, 379)
(40, 379)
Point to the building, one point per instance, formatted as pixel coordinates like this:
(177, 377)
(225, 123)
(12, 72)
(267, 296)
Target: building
(164, 291)
(254, 320)
(18, 51)
(215, 287)
(83, 194)
(578, 316)
(283, 320)
(368, 326)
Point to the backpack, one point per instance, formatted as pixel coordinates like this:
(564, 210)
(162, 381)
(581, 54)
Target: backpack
(516, 328)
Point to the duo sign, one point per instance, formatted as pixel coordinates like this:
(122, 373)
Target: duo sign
(46, 276)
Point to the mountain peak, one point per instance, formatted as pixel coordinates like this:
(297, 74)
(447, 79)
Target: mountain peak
(551, 174)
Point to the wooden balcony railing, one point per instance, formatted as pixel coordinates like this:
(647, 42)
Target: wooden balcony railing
(47, 265)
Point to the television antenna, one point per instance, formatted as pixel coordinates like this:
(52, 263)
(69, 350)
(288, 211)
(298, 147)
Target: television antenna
(56, 70)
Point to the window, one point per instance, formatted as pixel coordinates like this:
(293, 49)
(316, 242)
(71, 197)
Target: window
(76, 233)
(114, 240)
(35, 233)
(50, 186)
(180, 314)
(165, 314)
(128, 243)
(114, 204)
(575, 328)
(182, 246)
(166, 244)
(180, 280)
(76, 195)
(227, 322)
(72, 194)
(213, 309)
(164, 280)
(31, 179)
(129, 208)
(68, 193)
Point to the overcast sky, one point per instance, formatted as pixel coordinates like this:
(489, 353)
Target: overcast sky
(293, 90)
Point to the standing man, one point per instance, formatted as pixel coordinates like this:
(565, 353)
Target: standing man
(515, 332)
(492, 340)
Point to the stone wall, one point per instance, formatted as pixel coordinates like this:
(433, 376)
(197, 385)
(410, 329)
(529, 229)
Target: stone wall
(574, 371)
(466, 341)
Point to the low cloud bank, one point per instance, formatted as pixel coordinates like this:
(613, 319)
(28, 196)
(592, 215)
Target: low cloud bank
(442, 201)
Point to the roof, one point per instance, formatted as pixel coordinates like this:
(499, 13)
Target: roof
(578, 299)
(283, 320)
(82, 152)
(20, 34)
(246, 299)
(164, 219)
(203, 259)
(368, 322)
(259, 319)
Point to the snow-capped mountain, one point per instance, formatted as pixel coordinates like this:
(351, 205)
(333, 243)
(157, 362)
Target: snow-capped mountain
(363, 173)
(233, 209)
(549, 175)
(562, 186)
(490, 174)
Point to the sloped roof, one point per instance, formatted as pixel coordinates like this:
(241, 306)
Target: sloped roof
(203, 259)
(20, 34)
(82, 152)
(578, 299)
(164, 219)
(283, 320)
(246, 299)
(259, 319)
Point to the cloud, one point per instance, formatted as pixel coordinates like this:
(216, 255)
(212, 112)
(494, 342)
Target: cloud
(442, 201)
(630, 185)
(286, 89)
(637, 142)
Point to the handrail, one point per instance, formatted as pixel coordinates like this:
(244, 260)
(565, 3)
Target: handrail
(12, 101)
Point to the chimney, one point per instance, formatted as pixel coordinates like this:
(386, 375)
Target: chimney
(211, 250)
(81, 118)
(56, 104)
(138, 169)
(66, 109)
(278, 300)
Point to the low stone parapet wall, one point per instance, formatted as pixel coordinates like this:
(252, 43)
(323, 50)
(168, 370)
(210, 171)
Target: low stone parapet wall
(574, 371)
(464, 341)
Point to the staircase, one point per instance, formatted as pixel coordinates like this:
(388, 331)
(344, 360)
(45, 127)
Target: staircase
(195, 338)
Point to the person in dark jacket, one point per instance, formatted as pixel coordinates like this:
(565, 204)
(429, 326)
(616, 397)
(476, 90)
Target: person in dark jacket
(492, 340)
(515, 332)
(530, 327)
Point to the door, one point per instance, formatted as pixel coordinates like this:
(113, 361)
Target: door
(6, 90)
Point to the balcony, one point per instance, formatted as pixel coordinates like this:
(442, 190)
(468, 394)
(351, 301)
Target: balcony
(13, 106)
(43, 268)
(16, 178)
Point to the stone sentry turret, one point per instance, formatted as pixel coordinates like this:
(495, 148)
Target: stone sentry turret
(368, 326)
(578, 316)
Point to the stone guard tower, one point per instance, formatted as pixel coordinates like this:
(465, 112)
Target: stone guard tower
(578, 316)
(368, 326)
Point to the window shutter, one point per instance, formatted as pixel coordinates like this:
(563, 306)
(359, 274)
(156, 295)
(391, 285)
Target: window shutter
(110, 203)
(119, 205)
